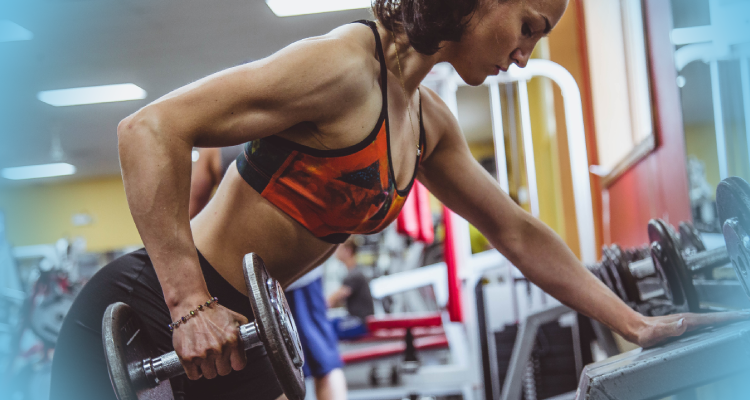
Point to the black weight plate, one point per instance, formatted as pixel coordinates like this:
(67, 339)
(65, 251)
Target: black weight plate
(629, 283)
(733, 201)
(690, 238)
(674, 264)
(670, 267)
(609, 267)
(738, 247)
(600, 271)
(126, 345)
(276, 327)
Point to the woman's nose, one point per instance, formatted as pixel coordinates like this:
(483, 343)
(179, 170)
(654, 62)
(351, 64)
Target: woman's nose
(520, 57)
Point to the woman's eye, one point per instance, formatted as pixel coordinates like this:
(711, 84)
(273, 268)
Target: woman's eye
(526, 30)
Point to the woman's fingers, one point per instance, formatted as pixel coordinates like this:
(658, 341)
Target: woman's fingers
(208, 367)
(191, 370)
(696, 321)
(224, 363)
(662, 328)
(238, 358)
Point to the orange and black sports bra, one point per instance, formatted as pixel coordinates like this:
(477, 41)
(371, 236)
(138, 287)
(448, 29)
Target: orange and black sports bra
(332, 193)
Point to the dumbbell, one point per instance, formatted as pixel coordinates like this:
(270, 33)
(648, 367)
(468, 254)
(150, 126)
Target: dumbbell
(676, 267)
(638, 288)
(137, 372)
(733, 203)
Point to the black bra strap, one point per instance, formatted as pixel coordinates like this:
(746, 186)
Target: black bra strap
(381, 56)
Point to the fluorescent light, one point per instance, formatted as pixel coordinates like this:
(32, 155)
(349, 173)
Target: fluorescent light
(12, 32)
(92, 95)
(286, 8)
(38, 171)
(196, 155)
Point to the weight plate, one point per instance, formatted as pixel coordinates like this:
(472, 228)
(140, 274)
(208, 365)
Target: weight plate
(670, 267)
(629, 283)
(738, 247)
(690, 238)
(733, 201)
(609, 267)
(126, 345)
(604, 275)
(276, 327)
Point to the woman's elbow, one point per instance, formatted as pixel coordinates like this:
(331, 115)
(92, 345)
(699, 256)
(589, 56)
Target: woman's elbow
(516, 235)
(137, 127)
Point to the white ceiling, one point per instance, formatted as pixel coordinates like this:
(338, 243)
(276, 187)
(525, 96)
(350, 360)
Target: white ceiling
(157, 44)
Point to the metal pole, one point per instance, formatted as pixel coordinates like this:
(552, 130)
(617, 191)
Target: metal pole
(721, 144)
(498, 134)
(528, 147)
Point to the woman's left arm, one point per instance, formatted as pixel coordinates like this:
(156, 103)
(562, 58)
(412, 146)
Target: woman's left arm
(450, 172)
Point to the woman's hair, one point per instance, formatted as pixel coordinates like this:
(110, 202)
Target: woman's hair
(426, 22)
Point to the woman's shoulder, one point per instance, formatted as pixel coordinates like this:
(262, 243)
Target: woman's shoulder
(439, 121)
(345, 56)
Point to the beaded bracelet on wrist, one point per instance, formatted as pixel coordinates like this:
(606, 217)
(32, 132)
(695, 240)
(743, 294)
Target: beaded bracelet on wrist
(176, 324)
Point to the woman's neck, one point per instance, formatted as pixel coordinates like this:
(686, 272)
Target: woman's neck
(414, 65)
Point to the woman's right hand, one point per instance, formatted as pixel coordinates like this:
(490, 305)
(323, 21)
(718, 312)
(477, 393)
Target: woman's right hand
(209, 343)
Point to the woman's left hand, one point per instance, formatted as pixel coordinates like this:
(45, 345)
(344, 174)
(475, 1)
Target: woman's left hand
(655, 330)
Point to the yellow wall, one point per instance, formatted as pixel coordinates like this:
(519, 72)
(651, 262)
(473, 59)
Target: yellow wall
(546, 160)
(41, 214)
(700, 142)
(567, 49)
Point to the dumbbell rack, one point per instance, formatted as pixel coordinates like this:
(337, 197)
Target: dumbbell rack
(694, 360)
(630, 274)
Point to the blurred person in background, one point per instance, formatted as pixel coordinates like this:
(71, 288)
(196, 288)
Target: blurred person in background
(354, 293)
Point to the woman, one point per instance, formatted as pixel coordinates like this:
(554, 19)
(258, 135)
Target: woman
(316, 171)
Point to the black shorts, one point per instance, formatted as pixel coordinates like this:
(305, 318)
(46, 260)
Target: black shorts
(79, 370)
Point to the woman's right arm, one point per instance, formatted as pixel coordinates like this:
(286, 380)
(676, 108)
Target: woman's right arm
(309, 81)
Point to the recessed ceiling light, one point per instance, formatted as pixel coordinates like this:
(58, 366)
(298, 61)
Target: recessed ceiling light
(12, 32)
(92, 95)
(286, 8)
(38, 171)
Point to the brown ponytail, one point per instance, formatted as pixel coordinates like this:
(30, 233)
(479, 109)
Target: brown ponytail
(426, 22)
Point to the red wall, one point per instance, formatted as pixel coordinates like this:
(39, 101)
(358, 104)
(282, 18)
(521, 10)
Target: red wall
(657, 187)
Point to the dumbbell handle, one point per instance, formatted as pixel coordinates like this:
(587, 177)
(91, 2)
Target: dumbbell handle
(168, 366)
(695, 262)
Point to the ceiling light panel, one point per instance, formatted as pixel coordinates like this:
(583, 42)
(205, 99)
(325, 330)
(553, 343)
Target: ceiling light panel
(287, 8)
(12, 32)
(92, 95)
(38, 171)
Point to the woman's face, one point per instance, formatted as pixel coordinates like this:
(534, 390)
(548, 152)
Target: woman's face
(501, 33)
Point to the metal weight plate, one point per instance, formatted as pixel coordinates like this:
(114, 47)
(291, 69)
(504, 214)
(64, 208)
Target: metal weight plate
(690, 238)
(629, 283)
(610, 267)
(738, 247)
(126, 345)
(670, 267)
(276, 327)
(604, 275)
(733, 202)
